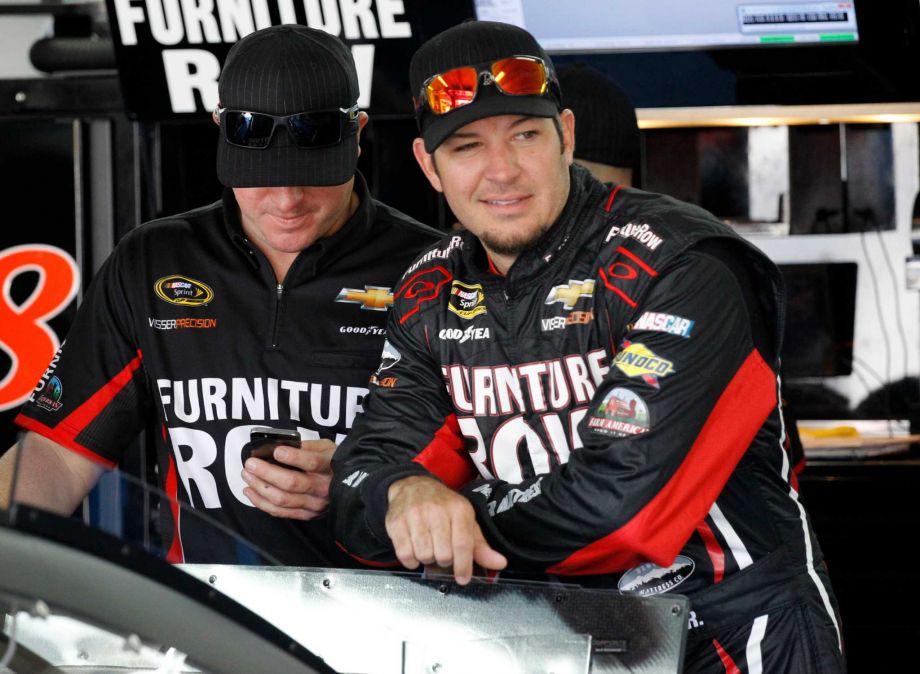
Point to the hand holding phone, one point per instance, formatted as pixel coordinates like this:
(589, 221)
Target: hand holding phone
(264, 439)
(297, 488)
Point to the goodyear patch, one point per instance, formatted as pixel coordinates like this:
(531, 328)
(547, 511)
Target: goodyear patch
(183, 291)
(637, 360)
(466, 300)
(620, 414)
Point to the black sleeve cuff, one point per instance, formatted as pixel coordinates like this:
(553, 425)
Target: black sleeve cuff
(375, 489)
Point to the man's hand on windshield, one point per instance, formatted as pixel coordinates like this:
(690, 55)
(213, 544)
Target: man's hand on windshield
(432, 524)
(298, 490)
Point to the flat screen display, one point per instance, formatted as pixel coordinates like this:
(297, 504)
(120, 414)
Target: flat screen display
(820, 318)
(627, 25)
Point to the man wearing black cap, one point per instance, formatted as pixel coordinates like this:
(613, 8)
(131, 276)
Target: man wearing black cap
(266, 309)
(608, 132)
(583, 383)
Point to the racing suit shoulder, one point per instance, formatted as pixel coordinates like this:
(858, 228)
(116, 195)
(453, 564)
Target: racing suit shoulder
(172, 232)
(100, 365)
(646, 234)
(656, 225)
(426, 279)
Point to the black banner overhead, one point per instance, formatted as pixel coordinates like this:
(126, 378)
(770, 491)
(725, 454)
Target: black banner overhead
(170, 52)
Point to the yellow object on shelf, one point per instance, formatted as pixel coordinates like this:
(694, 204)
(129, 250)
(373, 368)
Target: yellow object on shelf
(832, 432)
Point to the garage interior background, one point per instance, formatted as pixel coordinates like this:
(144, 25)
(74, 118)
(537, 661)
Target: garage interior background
(810, 151)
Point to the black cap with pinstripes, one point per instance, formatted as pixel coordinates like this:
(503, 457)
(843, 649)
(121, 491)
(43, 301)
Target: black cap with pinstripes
(467, 44)
(283, 70)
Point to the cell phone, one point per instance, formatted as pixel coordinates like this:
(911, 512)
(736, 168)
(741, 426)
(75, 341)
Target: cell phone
(264, 439)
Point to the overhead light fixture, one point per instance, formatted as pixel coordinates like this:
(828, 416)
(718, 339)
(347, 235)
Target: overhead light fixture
(778, 115)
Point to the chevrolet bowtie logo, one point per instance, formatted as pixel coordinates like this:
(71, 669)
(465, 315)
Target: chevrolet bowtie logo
(372, 298)
(570, 294)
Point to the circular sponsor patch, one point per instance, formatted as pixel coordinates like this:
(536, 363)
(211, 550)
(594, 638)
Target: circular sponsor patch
(648, 579)
(621, 413)
(183, 291)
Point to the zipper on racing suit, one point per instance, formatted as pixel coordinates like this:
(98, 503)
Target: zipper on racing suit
(279, 290)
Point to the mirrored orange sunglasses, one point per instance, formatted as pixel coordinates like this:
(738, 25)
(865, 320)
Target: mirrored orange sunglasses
(514, 76)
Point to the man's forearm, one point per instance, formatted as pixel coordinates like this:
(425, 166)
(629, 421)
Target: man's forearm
(46, 475)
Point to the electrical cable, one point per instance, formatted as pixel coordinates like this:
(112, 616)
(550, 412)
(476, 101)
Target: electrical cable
(881, 320)
(869, 216)
(868, 368)
(871, 219)
(862, 380)
(897, 308)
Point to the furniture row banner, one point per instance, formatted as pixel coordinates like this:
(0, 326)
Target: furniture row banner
(169, 52)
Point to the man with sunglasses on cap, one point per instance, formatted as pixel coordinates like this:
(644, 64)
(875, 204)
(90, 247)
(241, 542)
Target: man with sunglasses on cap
(265, 309)
(583, 383)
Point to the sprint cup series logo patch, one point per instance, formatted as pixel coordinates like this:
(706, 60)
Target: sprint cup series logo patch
(467, 301)
(184, 291)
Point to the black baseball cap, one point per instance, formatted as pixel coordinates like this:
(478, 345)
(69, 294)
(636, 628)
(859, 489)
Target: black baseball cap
(283, 70)
(472, 43)
(606, 130)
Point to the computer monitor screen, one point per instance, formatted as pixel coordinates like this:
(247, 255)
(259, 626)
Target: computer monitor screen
(820, 315)
(625, 25)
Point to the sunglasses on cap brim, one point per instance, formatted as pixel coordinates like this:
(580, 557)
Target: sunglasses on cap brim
(309, 130)
(513, 76)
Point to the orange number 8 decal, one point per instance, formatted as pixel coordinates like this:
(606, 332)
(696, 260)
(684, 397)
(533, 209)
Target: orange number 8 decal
(24, 332)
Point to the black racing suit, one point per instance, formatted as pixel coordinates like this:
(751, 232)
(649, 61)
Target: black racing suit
(186, 328)
(610, 408)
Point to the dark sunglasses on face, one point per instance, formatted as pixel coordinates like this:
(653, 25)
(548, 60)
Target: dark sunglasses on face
(514, 76)
(309, 130)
